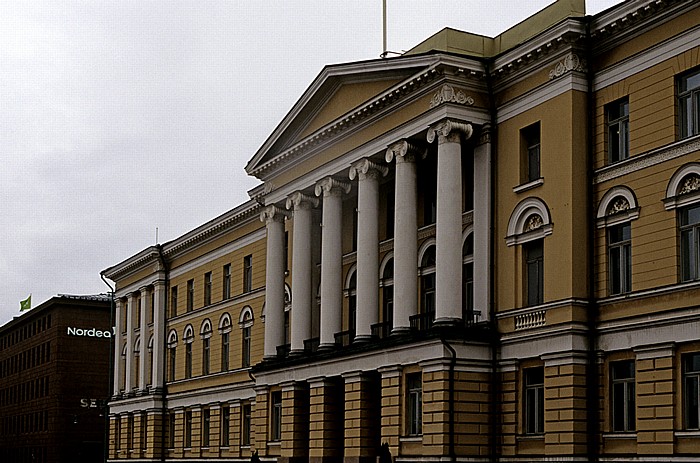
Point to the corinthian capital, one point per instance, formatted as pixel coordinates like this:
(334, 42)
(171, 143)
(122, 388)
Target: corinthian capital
(449, 131)
(330, 186)
(404, 150)
(299, 200)
(364, 168)
(273, 214)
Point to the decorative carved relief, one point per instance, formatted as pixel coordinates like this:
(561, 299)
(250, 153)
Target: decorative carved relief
(533, 223)
(273, 213)
(449, 130)
(364, 168)
(331, 186)
(299, 200)
(405, 151)
(447, 94)
(571, 62)
(691, 184)
(620, 204)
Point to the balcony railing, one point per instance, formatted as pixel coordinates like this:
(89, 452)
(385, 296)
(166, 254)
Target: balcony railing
(344, 338)
(381, 330)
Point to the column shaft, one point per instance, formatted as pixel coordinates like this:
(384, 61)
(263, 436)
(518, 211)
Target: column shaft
(301, 269)
(158, 367)
(367, 245)
(482, 225)
(448, 267)
(274, 281)
(405, 235)
(130, 316)
(331, 259)
(143, 331)
(118, 368)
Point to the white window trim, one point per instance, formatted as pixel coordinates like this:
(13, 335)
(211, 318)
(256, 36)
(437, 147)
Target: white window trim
(225, 323)
(528, 207)
(246, 318)
(673, 200)
(603, 219)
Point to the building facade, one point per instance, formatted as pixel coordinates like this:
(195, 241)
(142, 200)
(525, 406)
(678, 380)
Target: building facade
(485, 249)
(52, 396)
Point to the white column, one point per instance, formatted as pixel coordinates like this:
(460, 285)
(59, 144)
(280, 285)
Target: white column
(367, 244)
(301, 268)
(158, 367)
(448, 266)
(143, 331)
(274, 280)
(331, 258)
(129, 383)
(118, 369)
(482, 223)
(405, 233)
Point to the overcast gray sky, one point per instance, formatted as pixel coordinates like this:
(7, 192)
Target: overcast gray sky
(119, 117)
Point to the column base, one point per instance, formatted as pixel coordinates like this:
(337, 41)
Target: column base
(447, 321)
(326, 348)
(362, 339)
(400, 331)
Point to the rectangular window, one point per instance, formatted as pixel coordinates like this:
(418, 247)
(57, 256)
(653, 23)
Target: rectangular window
(276, 416)
(623, 396)
(534, 400)
(690, 243)
(188, 360)
(207, 288)
(620, 258)
(691, 391)
(171, 430)
(530, 164)
(414, 404)
(245, 424)
(246, 348)
(205, 356)
(190, 295)
(617, 115)
(689, 104)
(206, 426)
(225, 426)
(247, 273)
(227, 282)
(144, 431)
(173, 302)
(188, 429)
(225, 352)
(534, 272)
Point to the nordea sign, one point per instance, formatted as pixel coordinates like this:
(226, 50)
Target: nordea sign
(90, 333)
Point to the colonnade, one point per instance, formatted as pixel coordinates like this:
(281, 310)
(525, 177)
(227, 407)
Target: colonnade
(449, 135)
(136, 381)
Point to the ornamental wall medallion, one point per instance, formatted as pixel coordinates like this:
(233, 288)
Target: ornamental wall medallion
(572, 62)
(447, 94)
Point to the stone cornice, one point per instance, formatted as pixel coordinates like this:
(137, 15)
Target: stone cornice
(133, 264)
(244, 213)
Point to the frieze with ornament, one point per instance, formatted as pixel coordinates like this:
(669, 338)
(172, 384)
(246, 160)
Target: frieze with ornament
(448, 94)
(571, 62)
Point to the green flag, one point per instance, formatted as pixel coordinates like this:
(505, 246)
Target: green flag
(25, 304)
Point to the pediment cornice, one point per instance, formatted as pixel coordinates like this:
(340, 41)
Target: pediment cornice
(457, 75)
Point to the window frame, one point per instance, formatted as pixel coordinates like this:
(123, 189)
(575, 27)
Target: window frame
(533, 260)
(248, 273)
(246, 424)
(206, 427)
(619, 258)
(207, 289)
(691, 398)
(617, 121)
(414, 404)
(225, 351)
(533, 401)
(531, 142)
(276, 416)
(689, 254)
(691, 95)
(226, 282)
(225, 426)
(187, 431)
(190, 295)
(625, 392)
(173, 301)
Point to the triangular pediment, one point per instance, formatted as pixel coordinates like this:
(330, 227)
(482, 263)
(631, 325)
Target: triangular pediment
(336, 92)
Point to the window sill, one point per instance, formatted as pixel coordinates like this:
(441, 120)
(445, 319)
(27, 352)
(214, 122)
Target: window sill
(529, 185)
(687, 434)
(620, 435)
(531, 437)
(274, 443)
(411, 438)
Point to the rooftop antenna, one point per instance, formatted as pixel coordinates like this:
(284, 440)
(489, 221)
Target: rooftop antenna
(385, 51)
(156, 235)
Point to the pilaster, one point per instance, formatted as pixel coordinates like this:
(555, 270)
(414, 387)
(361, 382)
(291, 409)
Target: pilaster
(326, 424)
(391, 411)
(362, 429)
(295, 423)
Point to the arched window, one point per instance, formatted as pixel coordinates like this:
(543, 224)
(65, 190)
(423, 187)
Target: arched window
(172, 354)
(225, 330)
(351, 294)
(683, 195)
(245, 321)
(468, 278)
(188, 338)
(205, 333)
(616, 210)
(529, 224)
(426, 273)
(387, 284)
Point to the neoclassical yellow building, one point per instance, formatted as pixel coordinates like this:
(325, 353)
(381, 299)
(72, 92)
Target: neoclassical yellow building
(486, 249)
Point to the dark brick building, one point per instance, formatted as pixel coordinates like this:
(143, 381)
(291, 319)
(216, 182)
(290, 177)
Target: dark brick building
(54, 379)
